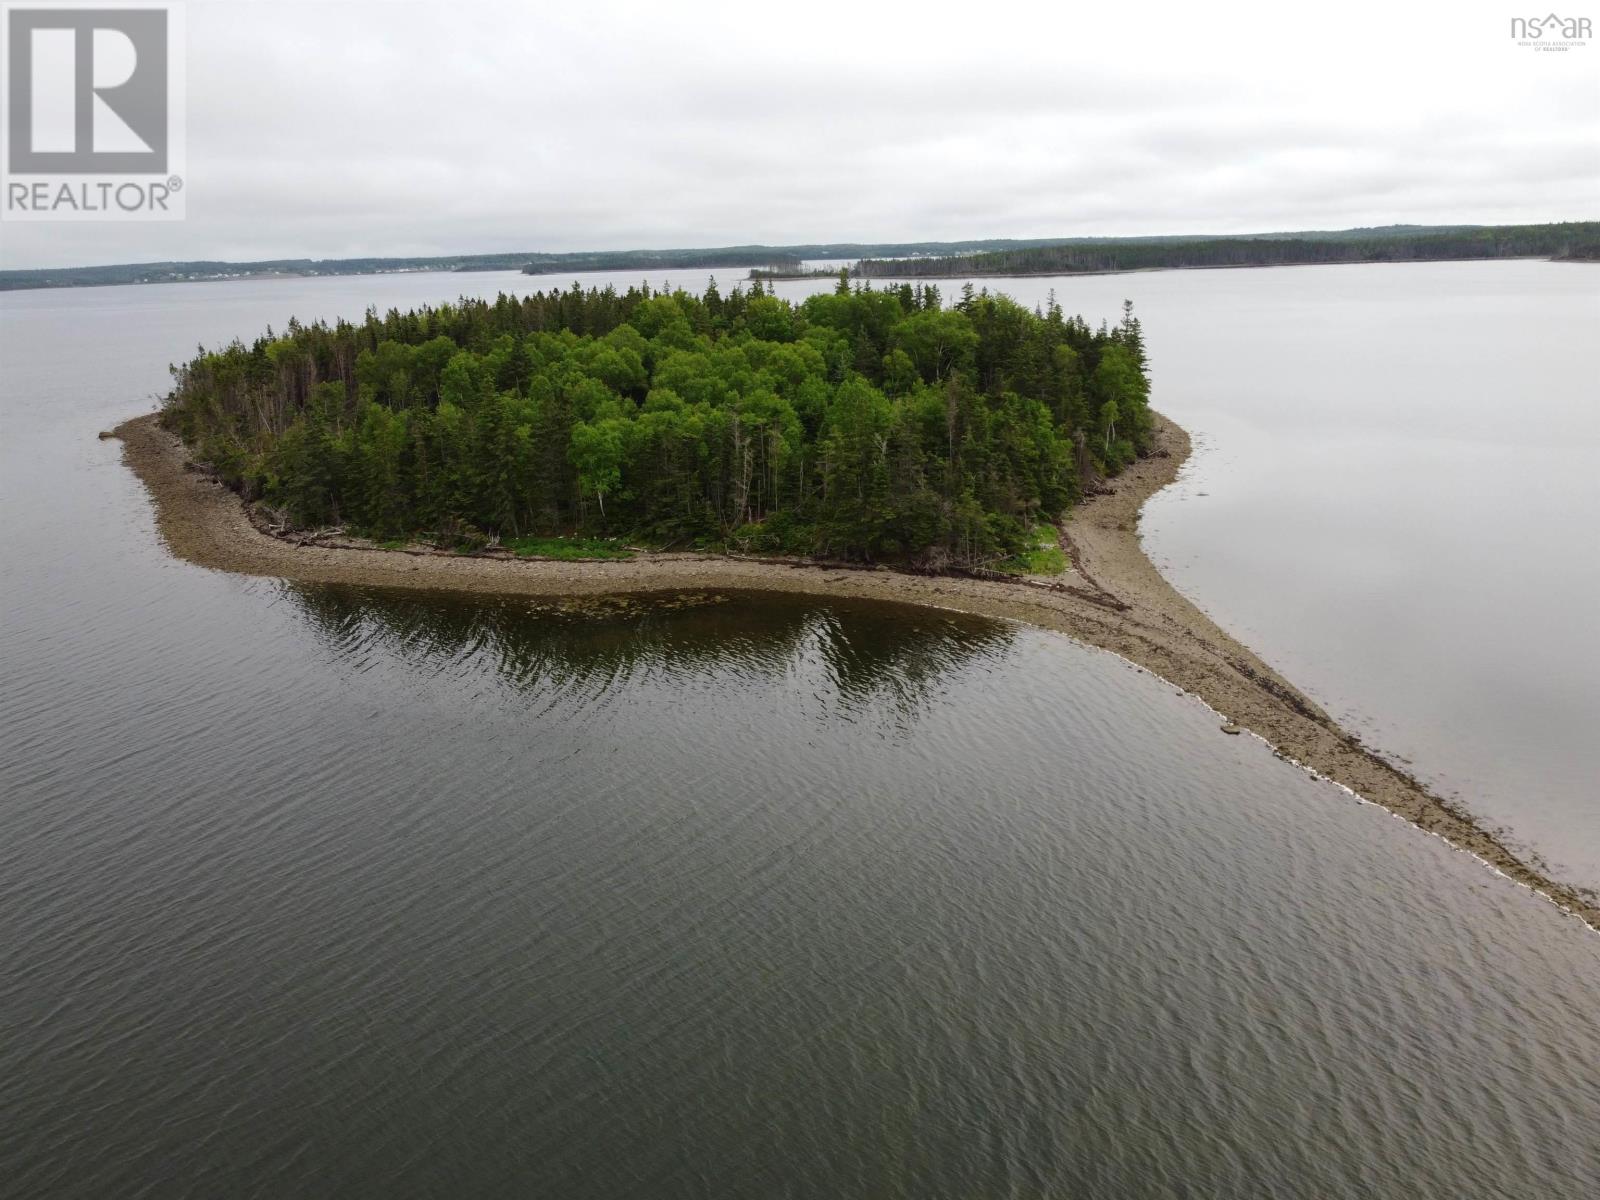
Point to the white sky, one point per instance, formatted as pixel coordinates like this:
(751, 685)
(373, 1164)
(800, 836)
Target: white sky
(332, 129)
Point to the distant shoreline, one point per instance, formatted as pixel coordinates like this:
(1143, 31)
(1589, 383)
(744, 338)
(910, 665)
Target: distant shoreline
(1113, 598)
(1578, 240)
(1155, 270)
(1388, 262)
(295, 276)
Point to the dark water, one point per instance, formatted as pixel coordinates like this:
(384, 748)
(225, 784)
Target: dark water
(330, 892)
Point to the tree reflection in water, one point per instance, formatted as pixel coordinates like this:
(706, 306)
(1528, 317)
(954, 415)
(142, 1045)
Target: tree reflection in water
(577, 653)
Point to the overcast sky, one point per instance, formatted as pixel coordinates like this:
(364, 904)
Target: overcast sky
(332, 129)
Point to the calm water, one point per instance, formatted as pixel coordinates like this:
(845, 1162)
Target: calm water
(1395, 501)
(321, 891)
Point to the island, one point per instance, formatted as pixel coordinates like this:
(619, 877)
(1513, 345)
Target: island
(865, 425)
(981, 457)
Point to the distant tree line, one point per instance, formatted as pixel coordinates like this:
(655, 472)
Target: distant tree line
(1504, 241)
(666, 260)
(533, 264)
(863, 423)
(799, 271)
(995, 256)
(787, 259)
(200, 270)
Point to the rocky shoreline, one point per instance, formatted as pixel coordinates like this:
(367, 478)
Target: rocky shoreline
(1113, 598)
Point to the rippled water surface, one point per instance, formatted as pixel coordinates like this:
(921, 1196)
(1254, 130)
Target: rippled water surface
(325, 891)
(1394, 501)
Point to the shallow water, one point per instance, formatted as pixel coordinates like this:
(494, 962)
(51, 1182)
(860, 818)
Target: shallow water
(331, 891)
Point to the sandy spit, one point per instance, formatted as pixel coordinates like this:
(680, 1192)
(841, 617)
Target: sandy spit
(1114, 598)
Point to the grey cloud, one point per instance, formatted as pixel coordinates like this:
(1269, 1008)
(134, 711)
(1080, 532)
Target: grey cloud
(336, 129)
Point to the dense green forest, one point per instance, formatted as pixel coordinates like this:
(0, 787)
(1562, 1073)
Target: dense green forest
(863, 423)
(1347, 246)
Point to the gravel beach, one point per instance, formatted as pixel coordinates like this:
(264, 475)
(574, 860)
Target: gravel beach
(1113, 598)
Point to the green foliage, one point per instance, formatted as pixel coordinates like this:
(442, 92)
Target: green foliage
(1044, 557)
(868, 424)
(568, 549)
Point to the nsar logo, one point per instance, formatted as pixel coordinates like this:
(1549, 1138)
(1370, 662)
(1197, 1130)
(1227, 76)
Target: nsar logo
(1551, 32)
